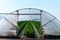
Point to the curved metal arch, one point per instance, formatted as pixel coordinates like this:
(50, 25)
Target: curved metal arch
(29, 9)
(52, 15)
(34, 9)
(25, 9)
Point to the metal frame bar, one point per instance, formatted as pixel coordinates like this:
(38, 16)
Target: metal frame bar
(9, 22)
(17, 21)
(53, 22)
(48, 22)
(19, 14)
(27, 8)
(29, 14)
(41, 25)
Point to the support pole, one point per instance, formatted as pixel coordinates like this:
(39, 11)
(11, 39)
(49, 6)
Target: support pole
(42, 32)
(17, 21)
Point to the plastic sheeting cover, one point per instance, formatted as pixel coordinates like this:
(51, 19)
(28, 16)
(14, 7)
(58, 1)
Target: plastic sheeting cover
(6, 25)
(49, 23)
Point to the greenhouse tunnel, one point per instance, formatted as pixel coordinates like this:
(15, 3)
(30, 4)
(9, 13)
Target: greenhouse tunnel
(29, 23)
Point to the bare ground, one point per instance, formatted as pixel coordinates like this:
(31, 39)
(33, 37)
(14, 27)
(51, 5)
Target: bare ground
(27, 39)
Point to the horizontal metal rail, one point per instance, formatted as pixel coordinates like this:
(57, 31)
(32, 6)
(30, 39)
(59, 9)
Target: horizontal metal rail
(18, 14)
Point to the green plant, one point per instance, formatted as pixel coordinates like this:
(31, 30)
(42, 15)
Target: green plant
(21, 25)
(38, 26)
(29, 32)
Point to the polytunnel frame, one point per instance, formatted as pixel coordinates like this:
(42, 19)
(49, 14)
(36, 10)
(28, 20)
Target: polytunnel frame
(32, 14)
(29, 14)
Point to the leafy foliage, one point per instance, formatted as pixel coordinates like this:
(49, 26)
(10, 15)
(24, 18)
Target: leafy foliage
(29, 32)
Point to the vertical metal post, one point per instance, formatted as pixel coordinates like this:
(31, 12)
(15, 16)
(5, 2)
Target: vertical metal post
(17, 16)
(17, 20)
(41, 24)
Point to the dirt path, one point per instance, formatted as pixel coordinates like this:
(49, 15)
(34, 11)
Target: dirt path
(36, 32)
(28, 39)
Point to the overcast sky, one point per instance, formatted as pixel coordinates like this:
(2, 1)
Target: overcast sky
(51, 6)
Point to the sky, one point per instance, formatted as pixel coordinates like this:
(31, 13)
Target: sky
(50, 6)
